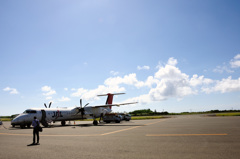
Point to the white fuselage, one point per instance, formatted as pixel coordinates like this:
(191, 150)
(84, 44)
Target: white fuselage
(57, 114)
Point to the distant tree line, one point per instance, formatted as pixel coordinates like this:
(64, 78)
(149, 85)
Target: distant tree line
(12, 116)
(149, 112)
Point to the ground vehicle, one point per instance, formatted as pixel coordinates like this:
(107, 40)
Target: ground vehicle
(0, 122)
(127, 117)
(112, 117)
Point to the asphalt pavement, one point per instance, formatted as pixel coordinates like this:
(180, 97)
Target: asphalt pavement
(192, 136)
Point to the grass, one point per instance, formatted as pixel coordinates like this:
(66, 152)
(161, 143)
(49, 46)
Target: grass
(228, 114)
(6, 119)
(146, 117)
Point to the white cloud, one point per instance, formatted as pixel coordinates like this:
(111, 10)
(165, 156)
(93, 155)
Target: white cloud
(221, 69)
(92, 94)
(168, 82)
(143, 67)
(114, 73)
(48, 98)
(170, 72)
(224, 86)
(46, 88)
(171, 83)
(65, 89)
(127, 79)
(64, 99)
(150, 81)
(142, 99)
(51, 92)
(48, 92)
(79, 92)
(172, 61)
(11, 90)
(235, 62)
(199, 80)
(130, 79)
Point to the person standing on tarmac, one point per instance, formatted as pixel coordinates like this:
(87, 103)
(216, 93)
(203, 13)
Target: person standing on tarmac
(35, 124)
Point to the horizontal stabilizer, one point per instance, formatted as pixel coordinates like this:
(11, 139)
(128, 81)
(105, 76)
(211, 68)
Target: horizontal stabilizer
(110, 94)
(109, 105)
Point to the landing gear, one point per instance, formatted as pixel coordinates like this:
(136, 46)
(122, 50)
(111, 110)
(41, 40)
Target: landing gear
(22, 126)
(63, 123)
(95, 122)
(44, 123)
(101, 117)
(28, 125)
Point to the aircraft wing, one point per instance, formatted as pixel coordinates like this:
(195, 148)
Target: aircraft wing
(109, 105)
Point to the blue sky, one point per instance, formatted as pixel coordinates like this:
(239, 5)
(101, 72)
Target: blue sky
(167, 55)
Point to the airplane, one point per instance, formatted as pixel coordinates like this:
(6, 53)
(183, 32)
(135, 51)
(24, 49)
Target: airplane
(48, 115)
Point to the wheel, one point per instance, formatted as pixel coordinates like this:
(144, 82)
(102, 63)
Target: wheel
(45, 125)
(95, 122)
(13, 125)
(28, 125)
(22, 126)
(63, 123)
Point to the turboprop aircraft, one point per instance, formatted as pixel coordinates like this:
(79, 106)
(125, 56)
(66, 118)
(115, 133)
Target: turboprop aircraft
(48, 115)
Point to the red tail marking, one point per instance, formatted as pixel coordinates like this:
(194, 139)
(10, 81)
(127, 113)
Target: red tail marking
(110, 99)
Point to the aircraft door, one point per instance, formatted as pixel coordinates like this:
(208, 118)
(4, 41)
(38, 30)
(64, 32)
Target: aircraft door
(43, 119)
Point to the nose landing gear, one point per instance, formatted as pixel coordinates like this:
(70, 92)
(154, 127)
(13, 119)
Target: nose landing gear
(95, 122)
(63, 123)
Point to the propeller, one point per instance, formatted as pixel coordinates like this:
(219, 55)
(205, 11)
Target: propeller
(48, 105)
(81, 109)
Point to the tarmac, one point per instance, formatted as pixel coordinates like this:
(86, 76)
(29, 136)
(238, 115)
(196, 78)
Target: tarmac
(191, 136)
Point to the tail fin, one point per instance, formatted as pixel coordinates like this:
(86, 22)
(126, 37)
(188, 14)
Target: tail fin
(110, 97)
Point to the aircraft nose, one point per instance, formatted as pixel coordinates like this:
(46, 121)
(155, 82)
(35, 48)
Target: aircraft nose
(17, 120)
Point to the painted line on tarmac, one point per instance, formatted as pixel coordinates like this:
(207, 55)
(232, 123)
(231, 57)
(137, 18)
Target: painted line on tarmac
(121, 130)
(131, 128)
(186, 135)
(155, 122)
(16, 134)
(73, 135)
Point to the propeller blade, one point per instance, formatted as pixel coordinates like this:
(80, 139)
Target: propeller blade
(86, 104)
(81, 108)
(81, 103)
(78, 111)
(49, 104)
(45, 105)
(82, 112)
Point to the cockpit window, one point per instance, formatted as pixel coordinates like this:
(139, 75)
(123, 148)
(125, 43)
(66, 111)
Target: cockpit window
(29, 111)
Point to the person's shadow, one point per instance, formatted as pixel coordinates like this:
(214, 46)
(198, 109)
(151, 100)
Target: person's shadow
(33, 144)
